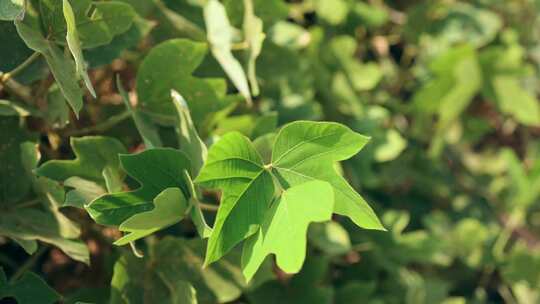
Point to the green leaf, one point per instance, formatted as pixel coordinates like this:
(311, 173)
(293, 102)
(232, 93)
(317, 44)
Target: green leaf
(254, 36)
(143, 123)
(61, 67)
(96, 159)
(29, 289)
(169, 208)
(330, 237)
(12, 9)
(97, 23)
(305, 151)
(168, 66)
(84, 191)
(284, 229)
(43, 227)
(13, 185)
(221, 35)
(72, 38)
(171, 265)
(235, 167)
(57, 113)
(188, 138)
(155, 170)
(513, 99)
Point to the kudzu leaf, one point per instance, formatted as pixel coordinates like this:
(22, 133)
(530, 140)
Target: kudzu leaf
(188, 137)
(96, 159)
(515, 100)
(128, 40)
(305, 151)
(310, 286)
(29, 289)
(13, 185)
(330, 237)
(254, 36)
(74, 45)
(61, 67)
(84, 191)
(57, 113)
(44, 227)
(170, 265)
(169, 65)
(235, 167)
(11, 9)
(143, 123)
(107, 20)
(155, 170)
(169, 208)
(285, 226)
(220, 34)
(49, 192)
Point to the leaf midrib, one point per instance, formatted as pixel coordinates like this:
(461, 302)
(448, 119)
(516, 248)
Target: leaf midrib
(295, 147)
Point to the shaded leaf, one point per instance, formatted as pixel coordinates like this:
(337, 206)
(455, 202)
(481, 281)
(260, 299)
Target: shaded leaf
(169, 208)
(72, 38)
(155, 170)
(221, 34)
(61, 67)
(29, 289)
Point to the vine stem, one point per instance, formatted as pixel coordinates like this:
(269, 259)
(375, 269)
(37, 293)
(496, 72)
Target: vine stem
(28, 264)
(6, 76)
(101, 127)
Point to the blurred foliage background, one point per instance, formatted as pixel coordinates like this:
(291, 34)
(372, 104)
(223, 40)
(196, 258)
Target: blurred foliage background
(448, 91)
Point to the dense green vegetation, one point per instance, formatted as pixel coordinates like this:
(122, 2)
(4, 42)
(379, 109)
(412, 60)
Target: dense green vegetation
(269, 151)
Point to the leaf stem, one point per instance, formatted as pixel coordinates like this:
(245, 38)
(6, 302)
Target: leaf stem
(208, 207)
(101, 127)
(6, 76)
(28, 264)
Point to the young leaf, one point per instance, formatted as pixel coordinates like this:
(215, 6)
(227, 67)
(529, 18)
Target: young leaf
(253, 32)
(96, 159)
(305, 151)
(188, 138)
(29, 289)
(220, 34)
(169, 208)
(143, 123)
(61, 67)
(72, 38)
(155, 170)
(235, 167)
(285, 225)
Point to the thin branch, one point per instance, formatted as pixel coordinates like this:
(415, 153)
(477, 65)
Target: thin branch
(6, 76)
(101, 127)
(28, 264)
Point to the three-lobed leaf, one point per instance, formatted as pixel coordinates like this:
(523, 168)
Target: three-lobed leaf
(169, 208)
(303, 152)
(155, 170)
